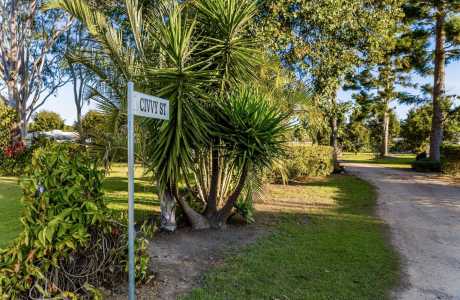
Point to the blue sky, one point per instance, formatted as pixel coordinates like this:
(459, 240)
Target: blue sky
(63, 103)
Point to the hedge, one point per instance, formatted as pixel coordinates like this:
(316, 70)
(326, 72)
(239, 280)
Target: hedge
(307, 160)
(426, 165)
(450, 159)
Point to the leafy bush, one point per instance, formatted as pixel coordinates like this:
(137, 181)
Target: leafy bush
(14, 159)
(46, 121)
(426, 165)
(7, 118)
(450, 161)
(307, 160)
(71, 242)
(421, 155)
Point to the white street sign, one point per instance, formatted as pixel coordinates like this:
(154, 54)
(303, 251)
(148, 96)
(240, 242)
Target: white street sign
(150, 106)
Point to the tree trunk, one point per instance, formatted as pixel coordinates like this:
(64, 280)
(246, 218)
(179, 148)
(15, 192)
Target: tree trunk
(219, 220)
(23, 125)
(211, 207)
(439, 85)
(386, 133)
(334, 133)
(168, 212)
(197, 220)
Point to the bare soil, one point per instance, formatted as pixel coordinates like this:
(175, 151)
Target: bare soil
(179, 260)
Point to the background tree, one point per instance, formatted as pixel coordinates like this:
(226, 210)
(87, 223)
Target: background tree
(437, 18)
(380, 84)
(416, 128)
(46, 121)
(94, 127)
(29, 73)
(326, 40)
(77, 39)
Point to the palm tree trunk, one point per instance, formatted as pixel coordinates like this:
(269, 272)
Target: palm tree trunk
(439, 85)
(220, 219)
(168, 212)
(211, 207)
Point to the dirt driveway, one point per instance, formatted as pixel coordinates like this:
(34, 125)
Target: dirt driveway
(423, 213)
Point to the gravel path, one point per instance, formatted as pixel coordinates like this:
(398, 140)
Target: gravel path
(423, 213)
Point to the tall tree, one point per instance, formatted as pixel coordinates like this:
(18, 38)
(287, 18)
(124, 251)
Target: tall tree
(438, 18)
(326, 40)
(76, 39)
(380, 84)
(29, 74)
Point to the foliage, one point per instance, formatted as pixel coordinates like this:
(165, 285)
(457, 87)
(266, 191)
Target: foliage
(47, 121)
(94, 127)
(70, 242)
(426, 165)
(15, 159)
(438, 20)
(450, 159)
(307, 160)
(7, 119)
(325, 41)
(416, 128)
(356, 136)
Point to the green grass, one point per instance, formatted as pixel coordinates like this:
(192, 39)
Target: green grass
(116, 191)
(392, 161)
(341, 253)
(10, 210)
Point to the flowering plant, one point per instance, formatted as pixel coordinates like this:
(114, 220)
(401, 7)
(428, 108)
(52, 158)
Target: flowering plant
(14, 150)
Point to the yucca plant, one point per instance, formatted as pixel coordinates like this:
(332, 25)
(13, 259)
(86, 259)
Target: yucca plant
(196, 54)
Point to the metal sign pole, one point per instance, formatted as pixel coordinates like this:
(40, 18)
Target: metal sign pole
(131, 232)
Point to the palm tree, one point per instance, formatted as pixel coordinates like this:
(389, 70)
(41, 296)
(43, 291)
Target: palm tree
(196, 55)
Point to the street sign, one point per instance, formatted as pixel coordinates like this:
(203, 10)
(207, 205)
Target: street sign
(151, 107)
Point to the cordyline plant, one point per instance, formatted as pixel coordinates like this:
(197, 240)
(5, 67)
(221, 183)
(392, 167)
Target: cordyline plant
(197, 54)
(70, 244)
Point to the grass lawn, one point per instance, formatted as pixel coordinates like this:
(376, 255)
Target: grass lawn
(392, 161)
(326, 242)
(10, 210)
(116, 191)
(327, 245)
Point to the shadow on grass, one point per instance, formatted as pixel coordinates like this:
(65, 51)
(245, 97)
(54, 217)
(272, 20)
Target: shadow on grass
(120, 184)
(335, 252)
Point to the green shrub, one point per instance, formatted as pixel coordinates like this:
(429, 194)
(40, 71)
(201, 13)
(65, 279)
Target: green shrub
(71, 242)
(15, 159)
(450, 161)
(426, 165)
(15, 165)
(306, 160)
(7, 118)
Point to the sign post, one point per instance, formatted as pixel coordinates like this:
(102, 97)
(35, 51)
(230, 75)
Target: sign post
(145, 106)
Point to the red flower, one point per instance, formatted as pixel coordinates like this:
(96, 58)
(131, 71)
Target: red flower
(14, 150)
